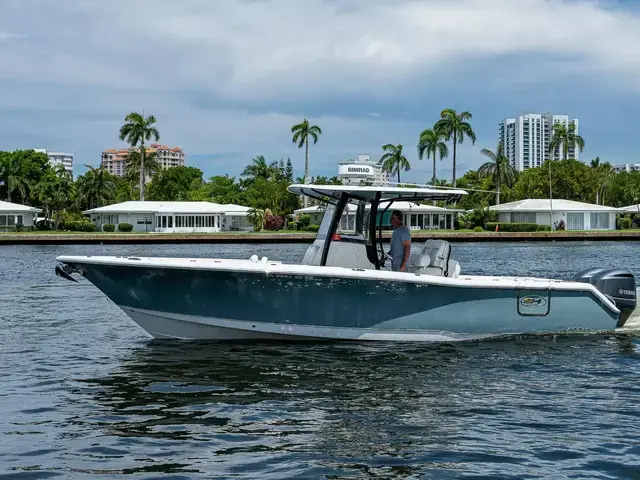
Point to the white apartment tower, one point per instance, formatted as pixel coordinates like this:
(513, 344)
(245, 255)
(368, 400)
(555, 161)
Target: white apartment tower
(526, 138)
(59, 158)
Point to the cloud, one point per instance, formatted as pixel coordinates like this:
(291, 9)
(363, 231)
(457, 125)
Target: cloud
(227, 79)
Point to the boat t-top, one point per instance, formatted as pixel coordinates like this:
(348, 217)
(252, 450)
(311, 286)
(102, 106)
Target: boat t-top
(343, 289)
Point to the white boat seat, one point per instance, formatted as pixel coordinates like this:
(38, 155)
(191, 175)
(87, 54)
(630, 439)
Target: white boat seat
(433, 259)
(310, 254)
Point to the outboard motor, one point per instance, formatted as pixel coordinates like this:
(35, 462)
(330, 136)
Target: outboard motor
(618, 284)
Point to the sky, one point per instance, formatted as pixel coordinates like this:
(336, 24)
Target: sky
(226, 80)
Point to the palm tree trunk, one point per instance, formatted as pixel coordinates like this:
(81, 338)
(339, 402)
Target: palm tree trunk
(306, 167)
(142, 171)
(433, 178)
(498, 194)
(398, 173)
(455, 141)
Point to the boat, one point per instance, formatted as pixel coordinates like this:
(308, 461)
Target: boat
(343, 288)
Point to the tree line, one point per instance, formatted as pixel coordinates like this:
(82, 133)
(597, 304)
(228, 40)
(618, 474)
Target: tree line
(27, 177)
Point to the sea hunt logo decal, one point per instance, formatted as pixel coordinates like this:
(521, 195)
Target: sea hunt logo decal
(622, 291)
(533, 301)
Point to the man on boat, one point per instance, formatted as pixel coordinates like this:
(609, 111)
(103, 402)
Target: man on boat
(400, 243)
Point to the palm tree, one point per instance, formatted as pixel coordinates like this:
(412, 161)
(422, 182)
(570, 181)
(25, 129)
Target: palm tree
(13, 176)
(565, 137)
(258, 168)
(134, 162)
(62, 172)
(454, 126)
(256, 217)
(431, 143)
(96, 187)
(393, 161)
(301, 133)
(136, 130)
(498, 169)
(603, 173)
(55, 195)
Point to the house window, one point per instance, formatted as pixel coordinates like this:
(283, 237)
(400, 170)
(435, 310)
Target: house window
(11, 220)
(523, 217)
(575, 221)
(599, 220)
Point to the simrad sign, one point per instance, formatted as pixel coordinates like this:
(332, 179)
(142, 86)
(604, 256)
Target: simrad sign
(355, 170)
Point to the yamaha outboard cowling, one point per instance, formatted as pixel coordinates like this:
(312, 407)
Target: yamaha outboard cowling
(618, 284)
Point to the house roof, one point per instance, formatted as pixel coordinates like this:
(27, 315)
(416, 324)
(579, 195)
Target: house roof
(171, 207)
(630, 208)
(543, 205)
(8, 207)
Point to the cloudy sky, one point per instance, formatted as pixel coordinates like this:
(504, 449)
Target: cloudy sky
(226, 79)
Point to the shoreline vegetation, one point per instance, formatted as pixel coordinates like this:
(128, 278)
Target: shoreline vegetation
(26, 177)
(77, 238)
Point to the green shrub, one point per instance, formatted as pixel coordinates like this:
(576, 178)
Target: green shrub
(78, 226)
(19, 227)
(512, 227)
(292, 226)
(313, 228)
(108, 227)
(544, 228)
(304, 221)
(478, 229)
(478, 217)
(125, 227)
(624, 223)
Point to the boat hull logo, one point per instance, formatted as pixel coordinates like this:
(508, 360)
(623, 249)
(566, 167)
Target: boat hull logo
(533, 301)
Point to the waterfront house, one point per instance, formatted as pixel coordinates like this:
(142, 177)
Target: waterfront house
(575, 215)
(14, 216)
(174, 217)
(416, 216)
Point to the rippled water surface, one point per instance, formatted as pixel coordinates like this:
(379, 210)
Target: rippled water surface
(85, 394)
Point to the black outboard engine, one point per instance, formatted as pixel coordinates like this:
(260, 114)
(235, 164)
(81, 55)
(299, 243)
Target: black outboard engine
(618, 284)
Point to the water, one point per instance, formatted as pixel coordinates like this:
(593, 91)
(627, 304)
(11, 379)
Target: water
(85, 394)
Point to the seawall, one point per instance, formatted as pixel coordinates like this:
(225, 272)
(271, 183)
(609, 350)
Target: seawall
(227, 238)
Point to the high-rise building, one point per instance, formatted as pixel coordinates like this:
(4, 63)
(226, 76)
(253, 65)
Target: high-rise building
(526, 138)
(115, 161)
(362, 170)
(59, 158)
(626, 167)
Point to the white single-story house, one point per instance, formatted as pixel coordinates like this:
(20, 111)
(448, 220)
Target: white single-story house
(576, 215)
(416, 216)
(174, 217)
(12, 214)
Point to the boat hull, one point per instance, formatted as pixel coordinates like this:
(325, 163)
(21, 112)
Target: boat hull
(232, 301)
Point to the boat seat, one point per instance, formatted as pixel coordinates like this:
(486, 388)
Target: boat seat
(310, 254)
(433, 259)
